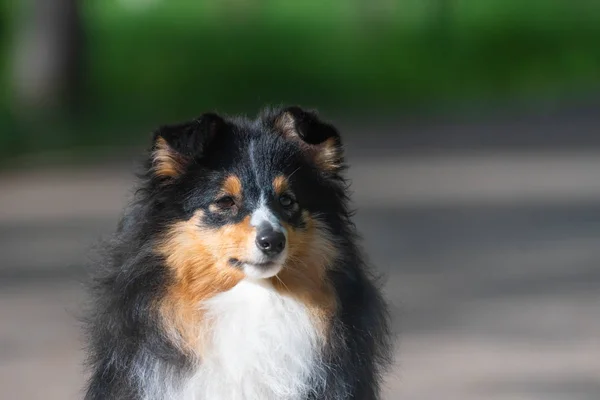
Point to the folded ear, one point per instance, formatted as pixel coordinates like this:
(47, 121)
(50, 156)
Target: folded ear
(175, 147)
(319, 140)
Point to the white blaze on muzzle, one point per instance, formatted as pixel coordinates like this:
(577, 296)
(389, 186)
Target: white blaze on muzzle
(262, 264)
(264, 217)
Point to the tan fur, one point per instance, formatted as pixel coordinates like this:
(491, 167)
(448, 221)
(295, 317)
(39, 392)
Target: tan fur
(328, 156)
(304, 275)
(198, 259)
(280, 184)
(167, 163)
(286, 124)
(325, 155)
(232, 186)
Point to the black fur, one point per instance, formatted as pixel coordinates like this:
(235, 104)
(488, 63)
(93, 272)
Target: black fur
(122, 325)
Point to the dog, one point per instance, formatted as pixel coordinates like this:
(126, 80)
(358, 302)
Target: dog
(236, 272)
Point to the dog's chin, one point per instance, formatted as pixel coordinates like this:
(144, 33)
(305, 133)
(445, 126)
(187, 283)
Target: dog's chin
(261, 271)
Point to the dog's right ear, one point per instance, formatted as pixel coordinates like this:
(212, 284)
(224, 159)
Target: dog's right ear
(319, 140)
(175, 147)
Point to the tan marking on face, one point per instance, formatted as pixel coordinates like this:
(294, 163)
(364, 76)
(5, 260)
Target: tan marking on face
(198, 258)
(232, 186)
(304, 275)
(280, 184)
(167, 163)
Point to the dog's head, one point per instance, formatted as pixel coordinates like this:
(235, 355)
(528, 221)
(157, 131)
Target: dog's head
(247, 199)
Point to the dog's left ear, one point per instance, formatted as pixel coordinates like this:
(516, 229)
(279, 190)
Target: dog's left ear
(175, 147)
(320, 141)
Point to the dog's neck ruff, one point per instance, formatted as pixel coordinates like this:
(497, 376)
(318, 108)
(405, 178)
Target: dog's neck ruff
(261, 346)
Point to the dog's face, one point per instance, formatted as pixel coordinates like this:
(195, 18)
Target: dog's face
(248, 198)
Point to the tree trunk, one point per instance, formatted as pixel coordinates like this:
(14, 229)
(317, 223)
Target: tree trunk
(47, 59)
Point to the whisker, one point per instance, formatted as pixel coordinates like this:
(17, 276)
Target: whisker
(284, 285)
(296, 170)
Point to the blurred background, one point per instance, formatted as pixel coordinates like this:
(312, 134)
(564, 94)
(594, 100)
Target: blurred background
(472, 128)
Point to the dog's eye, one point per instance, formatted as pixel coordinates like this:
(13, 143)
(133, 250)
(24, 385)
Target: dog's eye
(286, 201)
(225, 203)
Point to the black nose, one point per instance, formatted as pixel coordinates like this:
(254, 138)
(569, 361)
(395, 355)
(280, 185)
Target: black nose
(270, 242)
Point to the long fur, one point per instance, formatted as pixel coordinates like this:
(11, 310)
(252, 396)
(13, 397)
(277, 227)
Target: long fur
(307, 333)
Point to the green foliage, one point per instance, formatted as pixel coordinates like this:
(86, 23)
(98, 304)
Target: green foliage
(164, 60)
(178, 57)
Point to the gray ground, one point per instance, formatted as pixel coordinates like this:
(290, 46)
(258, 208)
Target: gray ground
(489, 245)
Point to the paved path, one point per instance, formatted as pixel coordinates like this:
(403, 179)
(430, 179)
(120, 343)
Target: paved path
(491, 261)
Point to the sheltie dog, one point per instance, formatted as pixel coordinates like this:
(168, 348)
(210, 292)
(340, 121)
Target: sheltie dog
(235, 273)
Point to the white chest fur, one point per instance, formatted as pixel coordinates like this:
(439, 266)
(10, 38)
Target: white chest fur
(262, 346)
